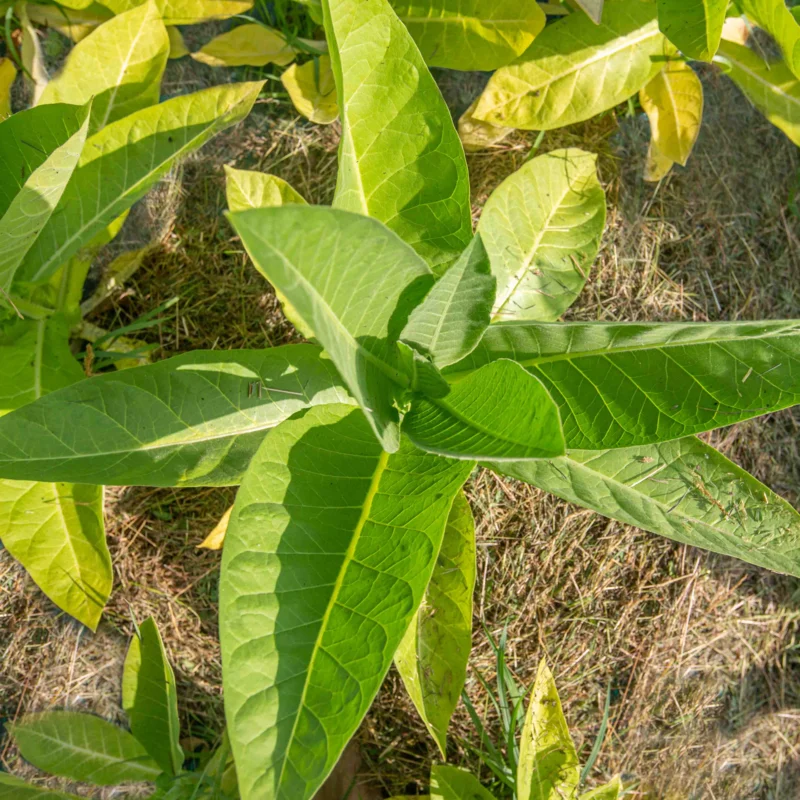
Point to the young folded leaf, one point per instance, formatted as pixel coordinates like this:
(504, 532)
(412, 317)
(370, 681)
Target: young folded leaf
(623, 384)
(673, 102)
(770, 87)
(55, 530)
(83, 747)
(252, 44)
(331, 544)
(32, 56)
(470, 34)
(432, 657)
(684, 490)
(350, 280)
(150, 698)
(312, 89)
(693, 26)
(29, 211)
(542, 228)
(575, 69)
(118, 66)
(499, 412)
(192, 420)
(448, 324)
(400, 158)
(548, 764)
(121, 162)
(451, 783)
(778, 21)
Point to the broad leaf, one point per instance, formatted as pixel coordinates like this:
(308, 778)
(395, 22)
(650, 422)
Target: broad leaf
(575, 69)
(75, 24)
(693, 26)
(252, 44)
(770, 87)
(608, 791)
(352, 282)
(451, 783)
(12, 788)
(548, 766)
(476, 135)
(542, 228)
(432, 657)
(150, 698)
(684, 490)
(119, 65)
(83, 747)
(8, 74)
(470, 34)
(400, 159)
(185, 12)
(775, 17)
(121, 162)
(448, 324)
(30, 210)
(331, 544)
(673, 101)
(245, 189)
(191, 420)
(312, 89)
(620, 384)
(497, 412)
(55, 530)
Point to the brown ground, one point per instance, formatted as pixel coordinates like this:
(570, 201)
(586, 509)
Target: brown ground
(700, 651)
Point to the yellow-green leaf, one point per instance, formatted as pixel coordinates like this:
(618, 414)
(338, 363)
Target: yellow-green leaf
(608, 791)
(775, 17)
(313, 90)
(432, 657)
(673, 101)
(575, 69)
(470, 34)
(770, 87)
(177, 46)
(476, 135)
(36, 76)
(548, 766)
(452, 783)
(119, 65)
(8, 73)
(251, 44)
(75, 24)
(216, 538)
(656, 165)
(186, 12)
(693, 26)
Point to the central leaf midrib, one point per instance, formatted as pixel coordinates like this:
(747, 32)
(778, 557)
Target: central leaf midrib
(349, 555)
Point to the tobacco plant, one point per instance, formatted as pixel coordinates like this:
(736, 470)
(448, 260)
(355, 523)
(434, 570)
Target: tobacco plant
(351, 543)
(86, 748)
(94, 143)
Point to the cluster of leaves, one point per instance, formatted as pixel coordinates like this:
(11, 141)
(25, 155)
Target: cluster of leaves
(350, 544)
(89, 749)
(73, 164)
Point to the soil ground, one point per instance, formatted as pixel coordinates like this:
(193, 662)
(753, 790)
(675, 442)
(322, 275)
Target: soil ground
(701, 653)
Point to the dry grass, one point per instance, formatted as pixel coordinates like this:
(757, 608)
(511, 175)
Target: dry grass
(699, 650)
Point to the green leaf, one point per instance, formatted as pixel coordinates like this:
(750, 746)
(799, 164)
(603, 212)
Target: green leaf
(82, 747)
(192, 420)
(121, 162)
(620, 384)
(592, 8)
(448, 324)
(770, 87)
(331, 544)
(29, 211)
(497, 412)
(247, 189)
(693, 26)
(608, 791)
(400, 159)
(470, 34)
(432, 657)
(542, 228)
(451, 783)
(12, 788)
(120, 65)
(776, 18)
(548, 764)
(55, 530)
(150, 698)
(575, 69)
(352, 282)
(185, 12)
(684, 490)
